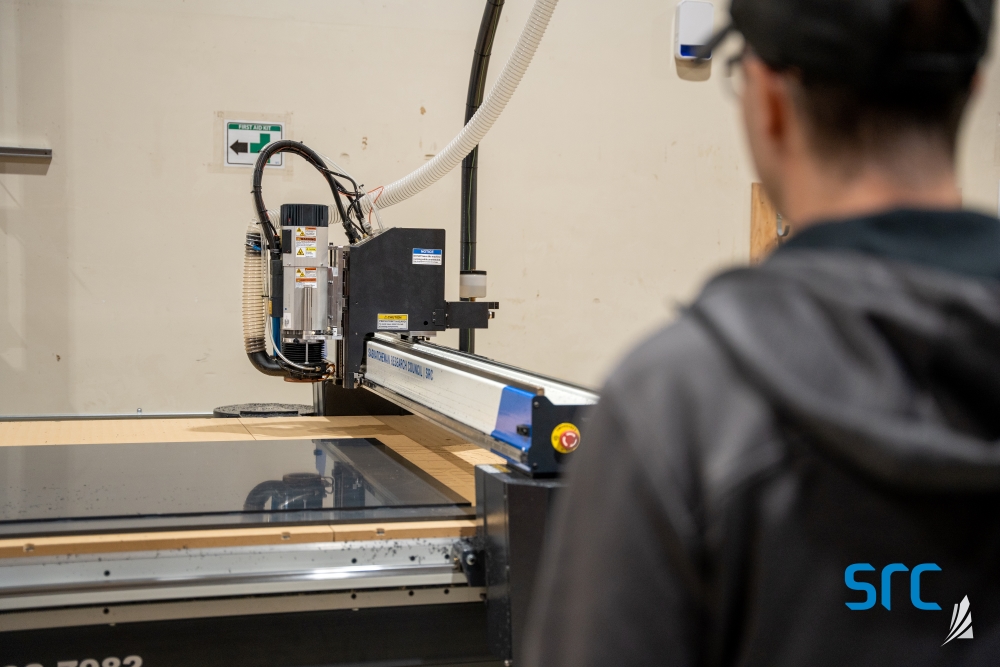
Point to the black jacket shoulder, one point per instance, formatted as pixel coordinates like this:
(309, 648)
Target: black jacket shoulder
(690, 417)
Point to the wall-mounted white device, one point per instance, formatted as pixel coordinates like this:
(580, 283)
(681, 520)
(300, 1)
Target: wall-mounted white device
(693, 26)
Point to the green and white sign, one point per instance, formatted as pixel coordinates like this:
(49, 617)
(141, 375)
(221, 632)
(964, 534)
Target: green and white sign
(246, 139)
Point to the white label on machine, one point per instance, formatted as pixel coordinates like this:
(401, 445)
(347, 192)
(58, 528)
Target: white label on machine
(286, 321)
(245, 140)
(305, 242)
(470, 399)
(305, 248)
(428, 256)
(393, 322)
(305, 278)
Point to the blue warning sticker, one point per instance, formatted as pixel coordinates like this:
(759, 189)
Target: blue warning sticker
(428, 256)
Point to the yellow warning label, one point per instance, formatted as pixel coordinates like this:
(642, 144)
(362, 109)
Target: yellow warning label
(393, 322)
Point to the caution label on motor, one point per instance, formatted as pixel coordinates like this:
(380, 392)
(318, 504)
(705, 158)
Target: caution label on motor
(305, 278)
(393, 322)
(305, 248)
(305, 242)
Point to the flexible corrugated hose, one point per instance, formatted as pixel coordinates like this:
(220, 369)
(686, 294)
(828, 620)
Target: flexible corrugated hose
(253, 293)
(476, 129)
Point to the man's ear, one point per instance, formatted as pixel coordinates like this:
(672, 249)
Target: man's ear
(778, 105)
(771, 99)
(771, 125)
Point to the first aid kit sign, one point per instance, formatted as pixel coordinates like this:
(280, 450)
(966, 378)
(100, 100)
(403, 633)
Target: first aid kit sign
(245, 140)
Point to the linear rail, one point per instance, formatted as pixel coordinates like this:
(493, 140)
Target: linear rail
(493, 405)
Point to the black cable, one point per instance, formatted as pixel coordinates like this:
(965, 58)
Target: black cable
(356, 197)
(337, 173)
(470, 165)
(261, 360)
(287, 146)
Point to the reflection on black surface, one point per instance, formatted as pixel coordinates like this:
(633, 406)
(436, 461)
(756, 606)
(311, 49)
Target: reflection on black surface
(348, 485)
(295, 491)
(44, 483)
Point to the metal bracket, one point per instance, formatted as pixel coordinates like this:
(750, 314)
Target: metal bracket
(31, 153)
(783, 229)
(471, 557)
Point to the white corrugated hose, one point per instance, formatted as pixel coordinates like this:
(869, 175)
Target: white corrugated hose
(255, 301)
(253, 297)
(483, 120)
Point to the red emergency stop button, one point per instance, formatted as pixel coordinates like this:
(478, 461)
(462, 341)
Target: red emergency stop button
(565, 438)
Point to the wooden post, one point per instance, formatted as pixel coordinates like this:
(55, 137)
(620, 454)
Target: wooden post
(763, 225)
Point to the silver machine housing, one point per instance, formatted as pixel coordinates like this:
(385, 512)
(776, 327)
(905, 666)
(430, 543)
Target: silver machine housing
(306, 275)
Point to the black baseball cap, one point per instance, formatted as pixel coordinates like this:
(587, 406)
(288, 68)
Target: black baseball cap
(858, 42)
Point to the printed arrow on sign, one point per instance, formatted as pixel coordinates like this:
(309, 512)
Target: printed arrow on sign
(239, 147)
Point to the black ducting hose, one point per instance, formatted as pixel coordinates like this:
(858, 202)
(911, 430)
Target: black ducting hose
(470, 165)
(313, 158)
(267, 364)
(257, 498)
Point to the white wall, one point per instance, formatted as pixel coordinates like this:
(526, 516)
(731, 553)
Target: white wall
(612, 186)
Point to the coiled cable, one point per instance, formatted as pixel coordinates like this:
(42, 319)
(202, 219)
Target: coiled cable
(355, 231)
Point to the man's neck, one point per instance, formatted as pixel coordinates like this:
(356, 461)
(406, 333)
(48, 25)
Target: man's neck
(815, 195)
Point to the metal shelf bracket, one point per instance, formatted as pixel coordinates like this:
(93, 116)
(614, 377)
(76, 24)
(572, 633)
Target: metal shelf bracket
(31, 153)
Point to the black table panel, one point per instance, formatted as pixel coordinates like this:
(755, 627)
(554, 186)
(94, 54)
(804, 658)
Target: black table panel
(82, 487)
(448, 634)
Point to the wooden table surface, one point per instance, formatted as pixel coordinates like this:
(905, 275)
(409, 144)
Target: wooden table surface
(446, 457)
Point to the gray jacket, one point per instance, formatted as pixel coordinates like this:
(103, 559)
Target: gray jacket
(837, 407)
